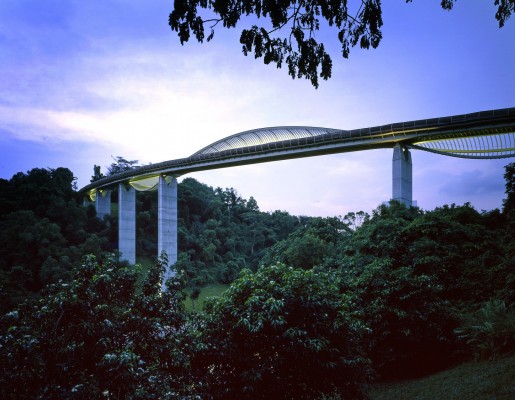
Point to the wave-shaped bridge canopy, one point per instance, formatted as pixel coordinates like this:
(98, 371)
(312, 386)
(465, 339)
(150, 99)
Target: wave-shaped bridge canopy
(257, 137)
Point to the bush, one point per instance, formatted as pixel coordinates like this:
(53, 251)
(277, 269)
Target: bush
(411, 326)
(283, 333)
(101, 336)
(490, 331)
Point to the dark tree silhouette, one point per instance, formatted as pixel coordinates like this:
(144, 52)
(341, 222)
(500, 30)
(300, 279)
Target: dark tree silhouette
(357, 22)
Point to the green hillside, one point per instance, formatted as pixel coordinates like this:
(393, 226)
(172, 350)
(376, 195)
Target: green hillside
(485, 380)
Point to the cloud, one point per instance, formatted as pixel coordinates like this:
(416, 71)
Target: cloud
(472, 184)
(443, 180)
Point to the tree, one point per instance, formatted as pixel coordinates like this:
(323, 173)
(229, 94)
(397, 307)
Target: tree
(107, 334)
(282, 333)
(300, 250)
(37, 190)
(509, 202)
(97, 174)
(43, 232)
(120, 164)
(220, 232)
(355, 219)
(312, 244)
(410, 324)
(457, 245)
(359, 22)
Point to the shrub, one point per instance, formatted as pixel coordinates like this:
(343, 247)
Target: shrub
(489, 331)
(411, 326)
(283, 333)
(101, 336)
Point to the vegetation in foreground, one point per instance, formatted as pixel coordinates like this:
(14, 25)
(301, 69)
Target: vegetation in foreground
(335, 305)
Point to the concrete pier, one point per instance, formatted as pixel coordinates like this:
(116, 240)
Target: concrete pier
(167, 221)
(402, 176)
(127, 222)
(103, 203)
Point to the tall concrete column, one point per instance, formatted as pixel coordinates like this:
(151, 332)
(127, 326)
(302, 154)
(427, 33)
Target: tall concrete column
(127, 222)
(402, 176)
(167, 221)
(103, 203)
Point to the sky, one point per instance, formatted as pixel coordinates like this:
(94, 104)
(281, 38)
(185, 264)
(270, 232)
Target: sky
(82, 82)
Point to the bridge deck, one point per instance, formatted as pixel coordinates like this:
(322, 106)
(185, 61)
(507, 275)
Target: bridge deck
(485, 134)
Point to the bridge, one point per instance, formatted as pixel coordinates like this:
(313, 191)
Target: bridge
(480, 135)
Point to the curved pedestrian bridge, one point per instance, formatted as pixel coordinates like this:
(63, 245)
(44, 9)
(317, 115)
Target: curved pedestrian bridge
(485, 134)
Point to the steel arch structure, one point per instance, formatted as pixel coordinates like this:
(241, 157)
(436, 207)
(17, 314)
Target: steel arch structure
(480, 135)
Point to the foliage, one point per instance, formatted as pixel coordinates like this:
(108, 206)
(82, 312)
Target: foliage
(36, 190)
(354, 220)
(96, 174)
(459, 248)
(221, 233)
(43, 232)
(312, 244)
(112, 333)
(409, 270)
(283, 333)
(380, 235)
(120, 164)
(489, 331)
(464, 250)
(410, 323)
(356, 23)
(358, 291)
(509, 202)
(101, 336)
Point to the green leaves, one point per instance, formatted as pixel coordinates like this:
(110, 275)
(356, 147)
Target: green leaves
(121, 164)
(305, 57)
(490, 330)
(283, 333)
(220, 232)
(303, 54)
(509, 202)
(101, 335)
(504, 10)
(409, 320)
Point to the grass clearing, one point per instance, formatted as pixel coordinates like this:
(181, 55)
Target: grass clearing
(146, 262)
(214, 290)
(485, 380)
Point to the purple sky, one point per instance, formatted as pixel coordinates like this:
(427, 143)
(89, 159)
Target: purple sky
(84, 81)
